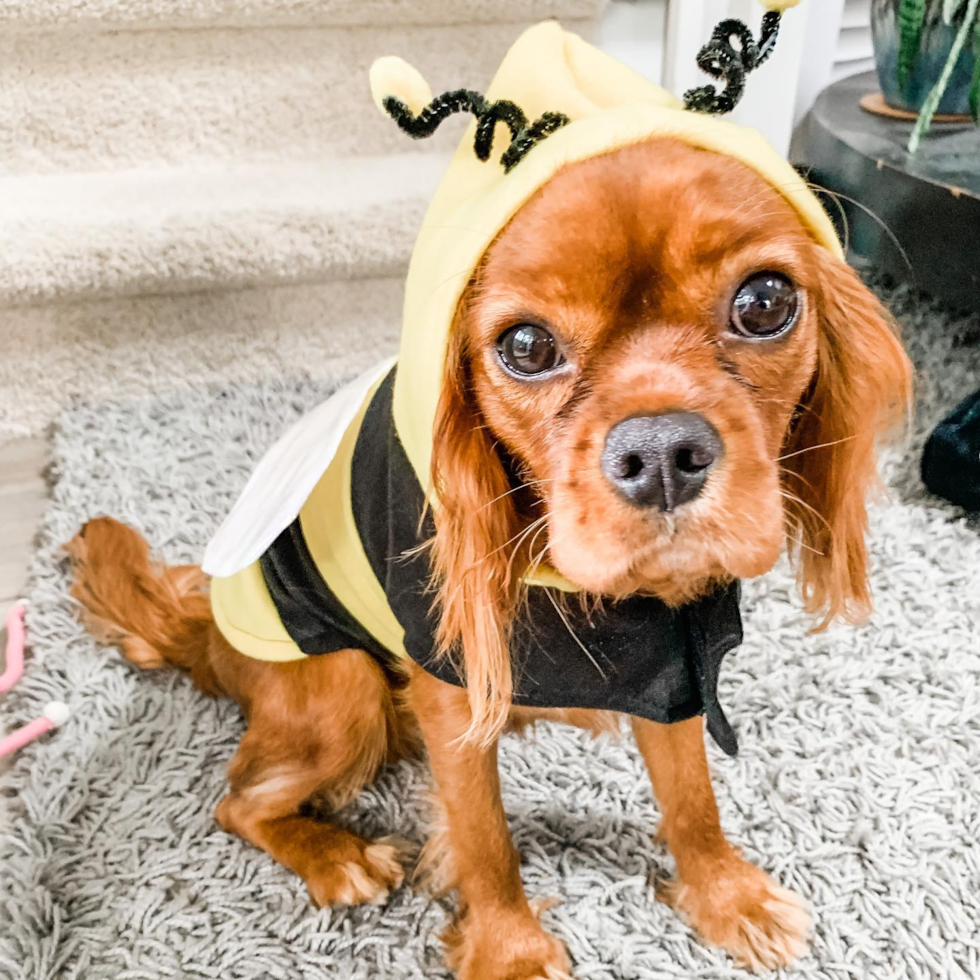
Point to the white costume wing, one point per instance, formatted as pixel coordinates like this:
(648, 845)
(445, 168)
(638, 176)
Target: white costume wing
(285, 478)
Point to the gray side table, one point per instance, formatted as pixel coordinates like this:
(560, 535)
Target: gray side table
(930, 201)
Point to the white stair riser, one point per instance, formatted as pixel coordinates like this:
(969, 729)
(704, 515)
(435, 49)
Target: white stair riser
(133, 348)
(102, 101)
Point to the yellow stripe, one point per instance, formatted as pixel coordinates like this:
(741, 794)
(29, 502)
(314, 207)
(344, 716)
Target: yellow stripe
(550, 578)
(248, 619)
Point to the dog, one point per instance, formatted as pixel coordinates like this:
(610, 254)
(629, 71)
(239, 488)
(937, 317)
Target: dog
(657, 281)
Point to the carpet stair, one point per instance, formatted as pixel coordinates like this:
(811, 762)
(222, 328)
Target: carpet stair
(112, 15)
(203, 190)
(94, 236)
(81, 99)
(124, 284)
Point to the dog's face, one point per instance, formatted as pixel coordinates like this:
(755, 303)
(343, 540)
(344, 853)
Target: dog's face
(682, 378)
(638, 339)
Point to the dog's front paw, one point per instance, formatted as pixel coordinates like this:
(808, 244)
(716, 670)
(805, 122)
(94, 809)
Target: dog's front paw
(366, 876)
(504, 948)
(742, 910)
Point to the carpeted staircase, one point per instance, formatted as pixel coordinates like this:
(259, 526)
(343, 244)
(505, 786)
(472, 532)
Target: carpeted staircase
(192, 189)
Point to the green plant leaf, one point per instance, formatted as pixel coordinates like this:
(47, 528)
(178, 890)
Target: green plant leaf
(950, 9)
(911, 18)
(975, 84)
(931, 104)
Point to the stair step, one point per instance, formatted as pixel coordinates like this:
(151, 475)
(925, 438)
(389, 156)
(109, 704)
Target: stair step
(135, 347)
(113, 15)
(72, 102)
(74, 237)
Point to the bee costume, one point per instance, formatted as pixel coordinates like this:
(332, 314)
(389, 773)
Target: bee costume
(317, 555)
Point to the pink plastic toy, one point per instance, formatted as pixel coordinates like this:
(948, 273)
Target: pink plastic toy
(55, 713)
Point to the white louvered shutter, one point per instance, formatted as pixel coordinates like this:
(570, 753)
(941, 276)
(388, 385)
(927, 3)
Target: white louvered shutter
(854, 52)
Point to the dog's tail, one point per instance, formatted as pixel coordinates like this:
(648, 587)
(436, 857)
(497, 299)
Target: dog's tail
(156, 614)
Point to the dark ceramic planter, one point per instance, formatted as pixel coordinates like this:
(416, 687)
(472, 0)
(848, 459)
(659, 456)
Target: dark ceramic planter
(937, 41)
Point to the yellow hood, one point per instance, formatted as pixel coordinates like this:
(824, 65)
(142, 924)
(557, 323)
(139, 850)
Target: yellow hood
(610, 106)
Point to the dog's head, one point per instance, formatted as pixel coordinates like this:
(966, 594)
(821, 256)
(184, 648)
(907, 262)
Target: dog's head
(655, 379)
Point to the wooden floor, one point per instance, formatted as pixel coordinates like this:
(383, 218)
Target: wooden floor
(23, 495)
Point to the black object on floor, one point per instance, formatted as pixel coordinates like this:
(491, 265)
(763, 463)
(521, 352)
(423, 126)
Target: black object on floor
(929, 202)
(951, 460)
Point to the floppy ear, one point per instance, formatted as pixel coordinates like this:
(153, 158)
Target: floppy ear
(475, 521)
(861, 390)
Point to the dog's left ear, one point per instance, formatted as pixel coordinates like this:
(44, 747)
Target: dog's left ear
(860, 391)
(476, 529)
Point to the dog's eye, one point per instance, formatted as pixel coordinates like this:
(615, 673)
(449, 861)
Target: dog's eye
(528, 349)
(764, 306)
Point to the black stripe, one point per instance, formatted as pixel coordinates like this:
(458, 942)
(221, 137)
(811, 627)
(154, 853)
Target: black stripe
(312, 615)
(387, 502)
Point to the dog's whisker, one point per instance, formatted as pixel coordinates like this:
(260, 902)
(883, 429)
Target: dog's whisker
(802, 503)
(571, 633)
(799, 476)
(802, 544)
(810, 449)
(520, 534)
(535, 563)
(526, 483)
(796, 527)
(473, 567)
(536, 526)
(871, 214)
(540, 556)
(532, 568)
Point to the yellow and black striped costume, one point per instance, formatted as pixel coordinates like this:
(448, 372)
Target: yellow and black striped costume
(642, 658)
(334, 566)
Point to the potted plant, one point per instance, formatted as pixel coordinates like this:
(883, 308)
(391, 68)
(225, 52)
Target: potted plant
(928, 57)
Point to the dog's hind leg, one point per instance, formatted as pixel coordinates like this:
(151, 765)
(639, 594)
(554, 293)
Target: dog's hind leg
(322, 727)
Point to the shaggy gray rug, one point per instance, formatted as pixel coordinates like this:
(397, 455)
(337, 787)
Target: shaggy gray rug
(857, 784)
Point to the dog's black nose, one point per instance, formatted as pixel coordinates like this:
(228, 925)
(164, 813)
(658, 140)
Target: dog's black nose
(660, 461)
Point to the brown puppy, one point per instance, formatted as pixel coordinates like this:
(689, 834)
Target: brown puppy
(657, 279)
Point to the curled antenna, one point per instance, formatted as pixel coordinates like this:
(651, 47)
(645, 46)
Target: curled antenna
(730, 55)
(523, 135)
(402, 93)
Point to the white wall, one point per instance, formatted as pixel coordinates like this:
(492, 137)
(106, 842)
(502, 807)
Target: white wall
(635, 32)
(840, 30)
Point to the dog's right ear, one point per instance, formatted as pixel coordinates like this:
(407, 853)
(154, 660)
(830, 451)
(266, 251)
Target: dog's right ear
(475, 521)
(861, 391)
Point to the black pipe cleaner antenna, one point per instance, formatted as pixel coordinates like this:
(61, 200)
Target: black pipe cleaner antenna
(523, 135)
(730, 55)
